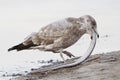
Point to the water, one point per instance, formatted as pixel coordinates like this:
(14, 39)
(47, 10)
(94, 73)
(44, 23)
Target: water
(19, 18)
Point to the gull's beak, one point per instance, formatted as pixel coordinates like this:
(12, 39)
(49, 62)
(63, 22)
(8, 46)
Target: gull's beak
(96, 34)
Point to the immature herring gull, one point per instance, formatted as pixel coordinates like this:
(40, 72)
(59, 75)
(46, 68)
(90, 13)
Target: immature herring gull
(61, 34)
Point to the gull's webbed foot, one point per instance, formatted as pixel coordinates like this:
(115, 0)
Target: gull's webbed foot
(68, 54)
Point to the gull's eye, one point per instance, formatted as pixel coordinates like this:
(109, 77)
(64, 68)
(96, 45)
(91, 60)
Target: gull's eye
(93, 23)
(92, 27)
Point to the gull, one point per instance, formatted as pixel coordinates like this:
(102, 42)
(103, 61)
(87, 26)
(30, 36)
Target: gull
(59, 35)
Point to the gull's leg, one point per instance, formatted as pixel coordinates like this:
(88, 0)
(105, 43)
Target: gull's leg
(61, 54)
(68, 54)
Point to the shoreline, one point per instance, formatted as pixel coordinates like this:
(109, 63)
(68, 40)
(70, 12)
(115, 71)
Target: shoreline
(103, 66)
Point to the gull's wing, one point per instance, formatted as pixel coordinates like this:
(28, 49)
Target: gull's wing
(56, 29)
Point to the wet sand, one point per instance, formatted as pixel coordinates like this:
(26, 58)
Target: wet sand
(105, 66)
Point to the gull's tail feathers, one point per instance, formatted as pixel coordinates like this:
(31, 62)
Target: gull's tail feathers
(21, 46)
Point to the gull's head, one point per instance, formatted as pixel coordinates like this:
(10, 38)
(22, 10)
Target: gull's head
(89, 24)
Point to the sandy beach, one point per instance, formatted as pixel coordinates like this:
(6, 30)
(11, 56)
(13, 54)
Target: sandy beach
(97, 67)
